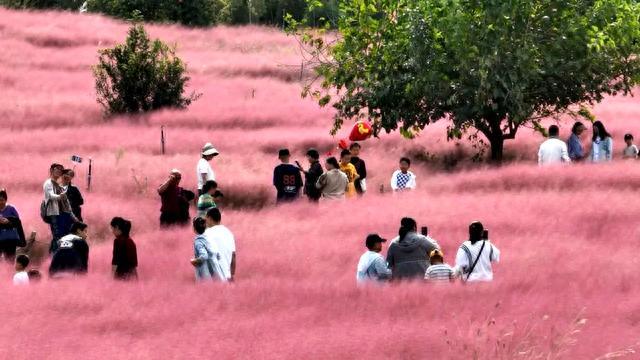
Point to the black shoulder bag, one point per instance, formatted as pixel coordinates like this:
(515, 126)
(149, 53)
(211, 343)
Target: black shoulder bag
(475, 262)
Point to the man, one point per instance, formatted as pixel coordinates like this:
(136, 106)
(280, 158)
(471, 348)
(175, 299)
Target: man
(408, 258)
(372, 266)
(575, 149)
(175, 201)
(73, 193)
(553, 150)
(286, 178)
(72, 255)
(222, 243)
(403, 179)
(204, 170)
(361, 168)
(312, 175)
(55, 208)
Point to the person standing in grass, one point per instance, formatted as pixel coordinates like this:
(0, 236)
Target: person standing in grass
(439, 271)
(403, 179)
(206, 200)
(73, 193)
(333, 183)
(352, 175)
(124, 263)
(574, 146)
(408, 258)
(222, 243)
(57, 209)
(175, 201)
(372, 266)
(204, 171)
(361, 168)
(286, 178)
(11, 231)
(312, 175)
(631, 151)
(205, 260)
(475, 256)
(602, 144)
(553, 150)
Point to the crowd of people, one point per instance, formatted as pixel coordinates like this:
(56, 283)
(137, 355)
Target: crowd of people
(555, 151)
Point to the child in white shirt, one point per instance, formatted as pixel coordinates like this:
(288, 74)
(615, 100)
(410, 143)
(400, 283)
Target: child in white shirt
(631, 151)
(21, 277)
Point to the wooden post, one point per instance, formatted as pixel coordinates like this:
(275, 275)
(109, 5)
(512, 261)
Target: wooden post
(162, 138)
(89, 175)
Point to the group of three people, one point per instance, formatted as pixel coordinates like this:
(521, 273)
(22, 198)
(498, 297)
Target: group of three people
(414, 256)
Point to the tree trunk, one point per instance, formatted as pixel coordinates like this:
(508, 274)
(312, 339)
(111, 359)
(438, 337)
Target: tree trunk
(497, 146)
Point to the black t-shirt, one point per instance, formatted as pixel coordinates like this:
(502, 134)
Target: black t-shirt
(361, 168)
(288, 181)
(76, 201)
(311, 178)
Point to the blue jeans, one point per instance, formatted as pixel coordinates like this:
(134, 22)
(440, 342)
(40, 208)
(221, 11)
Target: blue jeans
(60, 226)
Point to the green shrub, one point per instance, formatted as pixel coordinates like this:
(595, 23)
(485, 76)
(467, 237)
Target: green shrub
(141, 75)
(43, 4)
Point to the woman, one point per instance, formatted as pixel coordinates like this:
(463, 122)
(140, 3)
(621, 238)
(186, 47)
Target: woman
(602, 145)
(206, 200)
(125, 256)
(11, 232)
(333, 183)
(408, 258)
(57, 206)
(474, 257)
(352, 174)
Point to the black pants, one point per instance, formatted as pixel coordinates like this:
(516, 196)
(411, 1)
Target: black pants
(8, 249)
(169, 219)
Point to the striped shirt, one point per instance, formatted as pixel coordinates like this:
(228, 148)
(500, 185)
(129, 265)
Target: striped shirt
(439, 273)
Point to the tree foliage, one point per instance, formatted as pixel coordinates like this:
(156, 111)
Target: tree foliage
(42, 4)
(488, 67)
(141, 75)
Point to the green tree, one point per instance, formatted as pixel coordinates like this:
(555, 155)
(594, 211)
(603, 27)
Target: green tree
(141, 75)
(488, 67)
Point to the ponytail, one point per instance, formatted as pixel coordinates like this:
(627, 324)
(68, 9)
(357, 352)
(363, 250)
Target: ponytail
(403, 232)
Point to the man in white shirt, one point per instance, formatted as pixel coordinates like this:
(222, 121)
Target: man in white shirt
(403, 179)
(204, 170)
(222, 243)
(553, 150)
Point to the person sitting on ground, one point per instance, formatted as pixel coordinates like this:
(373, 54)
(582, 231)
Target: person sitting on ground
(631, 151)
(204, 170)
(474, 257)
(408, 258)
(352, 175)
(553, 150)
(372, 266)
(312, 175)
(72, 255)
(21, 276)
(361, 168)
(403, 179)
(11, 231)
(206, 201)
(73, 193)
(222, 243)
(574, 146)
(205, 260)
(439, 271)
(602, 143)
(175, 201)
(125, 256)
(333, 183)
(286, 178)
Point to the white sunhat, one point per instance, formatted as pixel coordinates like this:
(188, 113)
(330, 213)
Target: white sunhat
(208, 149)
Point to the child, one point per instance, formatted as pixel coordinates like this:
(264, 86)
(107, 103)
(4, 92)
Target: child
(125, 256)
(21, 277)
(438, 271)
(403, 179)
(352, 174)
(372, 266)
(205, 260)
(217, 198)
(34, 275)
(631, 151)
(206, 201)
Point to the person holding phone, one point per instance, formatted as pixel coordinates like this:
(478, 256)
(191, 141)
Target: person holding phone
(175, 201)
(476, 255)
(57, 209)
(312, 175)
(286, 178)
(11, 232)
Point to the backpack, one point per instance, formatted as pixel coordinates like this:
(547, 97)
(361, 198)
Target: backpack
(43, 211)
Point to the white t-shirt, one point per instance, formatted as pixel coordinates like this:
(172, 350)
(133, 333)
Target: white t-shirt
(483, 270)
(204, 168)
(553, 151)
(222, 243)
(21, 278)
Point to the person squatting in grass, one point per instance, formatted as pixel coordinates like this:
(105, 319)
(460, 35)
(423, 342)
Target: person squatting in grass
(72, 254)
(222, 243)
(205, 260)
(372, 266)
(439, 271)
(286, 178)
(408, 258)
(124, 263)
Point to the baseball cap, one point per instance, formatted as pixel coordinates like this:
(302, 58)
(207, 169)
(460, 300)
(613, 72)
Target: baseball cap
(373, 239)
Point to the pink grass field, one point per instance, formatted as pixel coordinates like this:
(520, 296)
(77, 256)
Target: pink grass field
(567, 286)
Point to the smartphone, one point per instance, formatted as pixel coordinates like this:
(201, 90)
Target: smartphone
(485, 234)
(298, 163)
(76, 159)
(424, 231)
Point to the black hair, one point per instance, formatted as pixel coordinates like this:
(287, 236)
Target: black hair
(407, 225)
(77, 226)
(23, 260)
(354, 145)
(214, 214)
(68, 172)
(628, 137)
(3, 194)
(313, 153)
(476, 230)
(406, 159)
(576, 126)
(218, 193)
(333, 162)
(56, 166)
(208, 186)
(34, 274)
(602, 132)
(122, 224)
(554, 130)
(344, 153)
(199, 225)
(284, 152)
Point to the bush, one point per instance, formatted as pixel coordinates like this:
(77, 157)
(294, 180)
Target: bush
(43, 4)
(141, 75)
(187, 12)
